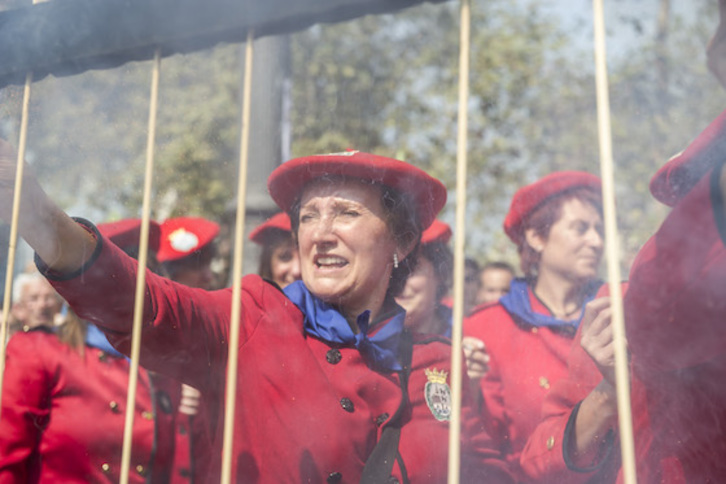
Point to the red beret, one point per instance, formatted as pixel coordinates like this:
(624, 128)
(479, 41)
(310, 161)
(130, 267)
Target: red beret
(126, 233)
(428, 194)
(184, 235)
(278, 222)
(527, 198)
(437, 232)
(682, 172)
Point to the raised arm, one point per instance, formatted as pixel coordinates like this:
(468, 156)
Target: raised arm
(597, 413)
(574, 441)
(60, 242)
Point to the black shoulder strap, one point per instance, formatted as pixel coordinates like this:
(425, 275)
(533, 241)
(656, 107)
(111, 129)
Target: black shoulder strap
(380, 463)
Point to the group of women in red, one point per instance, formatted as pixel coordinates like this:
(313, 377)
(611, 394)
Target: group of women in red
(336, 383)
(344, 366)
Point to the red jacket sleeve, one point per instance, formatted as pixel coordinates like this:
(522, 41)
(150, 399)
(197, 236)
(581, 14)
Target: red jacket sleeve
(479, 450)
(185, 330)
(543, 458)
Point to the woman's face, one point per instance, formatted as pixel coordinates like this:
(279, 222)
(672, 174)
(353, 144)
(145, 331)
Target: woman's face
(418, 297)
(574, 246)
(346, 248)
(285, 263)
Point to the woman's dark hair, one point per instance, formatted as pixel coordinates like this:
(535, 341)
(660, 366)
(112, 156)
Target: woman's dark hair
(274, 238)
(442, 260)
(402, 220)
(542, 218)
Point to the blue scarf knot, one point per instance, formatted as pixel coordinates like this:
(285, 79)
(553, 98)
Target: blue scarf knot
(517, 303)
(380, 351)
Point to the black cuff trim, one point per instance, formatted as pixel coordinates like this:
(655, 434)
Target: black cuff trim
(605, 451)
(59, 276)
(717, 203)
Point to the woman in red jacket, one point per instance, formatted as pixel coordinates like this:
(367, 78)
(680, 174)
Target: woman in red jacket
(330, 388)
(556, 223)
(63, 403)
(674, 308)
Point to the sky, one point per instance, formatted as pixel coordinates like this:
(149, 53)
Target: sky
(626, 21)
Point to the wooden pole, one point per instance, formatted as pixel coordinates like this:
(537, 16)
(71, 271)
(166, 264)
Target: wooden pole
(140, 275)
(622, 374)
(233, 353)
(459, 240)
(13, 239)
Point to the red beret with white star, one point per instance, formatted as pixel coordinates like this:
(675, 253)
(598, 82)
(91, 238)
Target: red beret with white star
(185, 235)
(438, 231)
(530, 197)
(684, 170)
(126, 233)
(277, 223)
(286, 183)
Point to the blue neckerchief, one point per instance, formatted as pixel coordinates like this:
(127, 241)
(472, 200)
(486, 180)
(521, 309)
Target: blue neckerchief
(380, 352)
(96, 339)
(517, 303)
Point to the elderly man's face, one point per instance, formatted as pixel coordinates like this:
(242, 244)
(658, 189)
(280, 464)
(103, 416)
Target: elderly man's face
(38, 305)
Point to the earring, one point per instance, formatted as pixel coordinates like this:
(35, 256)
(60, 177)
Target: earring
(395, 260)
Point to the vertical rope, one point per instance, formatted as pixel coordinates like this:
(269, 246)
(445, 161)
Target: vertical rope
(233, 356)
(140, 275)
(459, 239)
(622, 376)
(13, 240)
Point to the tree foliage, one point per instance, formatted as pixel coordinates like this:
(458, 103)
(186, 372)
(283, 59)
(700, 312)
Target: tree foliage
(88, 135)
(532, 108)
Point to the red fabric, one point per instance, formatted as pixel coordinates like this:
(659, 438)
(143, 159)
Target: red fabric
(684, 170)
(127, 233)
(278, 222)
(286, 182)
(525, 362)
(191, 448)
(58, 422)
(528, 198)
(675, 310)
(542, 459)
(437, 232)
(290, 425)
